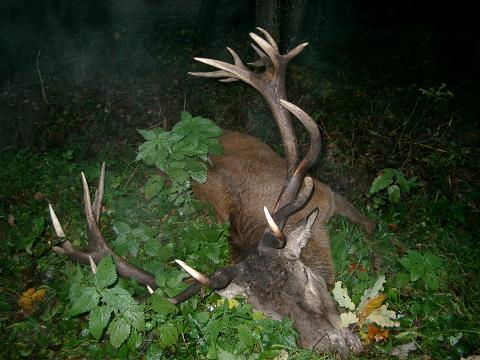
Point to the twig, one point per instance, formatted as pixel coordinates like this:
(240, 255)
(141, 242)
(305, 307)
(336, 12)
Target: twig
(44, 95)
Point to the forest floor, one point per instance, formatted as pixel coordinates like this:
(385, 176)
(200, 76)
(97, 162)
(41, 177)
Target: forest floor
(403, 146)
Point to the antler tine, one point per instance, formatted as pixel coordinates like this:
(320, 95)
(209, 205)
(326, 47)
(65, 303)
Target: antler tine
(295, 51)
(56, 224)
(96, 241)
(269, 38)
(99, 248)
(211, 74)
(269, 83)
(98, 200)
(268, 49)
(293, 184)
(236, 59)
(264, 59)
(275, 238)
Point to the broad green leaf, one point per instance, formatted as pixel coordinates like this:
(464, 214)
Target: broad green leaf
(38, 225)
(121, 228)
(87, 300)
(168, 334)
(154, 186)
(135, 340)
(382, 181)
(119, 330)
(213, 330)
(225, 355)
(118, 298)
(106, 273)
(393, 193)
(147, 134)
(154, 352)
(245, 336)
(135, 316)
(202, 316)
(98, 320)
(160, 305)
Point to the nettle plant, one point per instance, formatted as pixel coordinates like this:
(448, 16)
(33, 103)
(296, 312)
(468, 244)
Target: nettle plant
(214, 328)
(389, 186)
(181, 154)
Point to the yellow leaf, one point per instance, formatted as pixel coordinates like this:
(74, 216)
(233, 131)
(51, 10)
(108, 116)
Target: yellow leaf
(258, 315)
(371, 305)
(232, 303)
(28, 299)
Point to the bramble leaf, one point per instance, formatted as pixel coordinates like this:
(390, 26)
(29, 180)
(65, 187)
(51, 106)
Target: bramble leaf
(119, 330)
(106, 273)
(98, 320)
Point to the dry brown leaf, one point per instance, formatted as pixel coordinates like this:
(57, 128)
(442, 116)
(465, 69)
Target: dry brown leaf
(29, 298)
(359, 267)
(377, 334)
(371, 305)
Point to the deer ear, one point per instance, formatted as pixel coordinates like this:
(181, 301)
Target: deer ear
(298, 236)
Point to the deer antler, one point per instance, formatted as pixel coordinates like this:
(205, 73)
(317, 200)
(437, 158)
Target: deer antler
(271, 85)
(98, 248)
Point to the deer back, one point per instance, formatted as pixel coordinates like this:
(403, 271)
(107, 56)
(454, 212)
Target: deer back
(250, 175)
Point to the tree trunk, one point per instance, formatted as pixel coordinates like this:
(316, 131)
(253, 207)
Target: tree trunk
(267, 16)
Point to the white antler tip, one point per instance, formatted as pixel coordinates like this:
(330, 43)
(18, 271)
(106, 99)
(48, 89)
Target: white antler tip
(56, 224)
(194, 273)
(272, 224)
(93, 266)
(150, 290)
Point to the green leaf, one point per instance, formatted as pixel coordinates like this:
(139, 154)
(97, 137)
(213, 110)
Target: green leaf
(135, 340)
(161, 306)
(106, 273)
(38, 226)
(121, 228)
(154, 352)
(121, 301)
(168, 335)
(98, 320)
(87, 301)
(382, 181)
(245, 336)
(394, 193)
(118, 298)
(148, 134)
(154, 186)
(153, 247)
(225, 355)
(119, 330)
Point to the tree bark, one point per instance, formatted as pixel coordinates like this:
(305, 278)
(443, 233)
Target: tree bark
(267, 16)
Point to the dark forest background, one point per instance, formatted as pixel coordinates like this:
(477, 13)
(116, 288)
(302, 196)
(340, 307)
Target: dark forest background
(139, 52)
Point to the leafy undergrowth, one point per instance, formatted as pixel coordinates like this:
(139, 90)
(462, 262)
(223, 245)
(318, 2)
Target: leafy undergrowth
(413, 283)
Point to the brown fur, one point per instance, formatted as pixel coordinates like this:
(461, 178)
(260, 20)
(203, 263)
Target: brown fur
(250, 175)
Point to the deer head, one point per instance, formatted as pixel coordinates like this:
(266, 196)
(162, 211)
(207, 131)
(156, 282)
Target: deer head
(272, 277)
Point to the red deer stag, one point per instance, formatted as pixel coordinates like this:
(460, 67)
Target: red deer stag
(281, 262)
